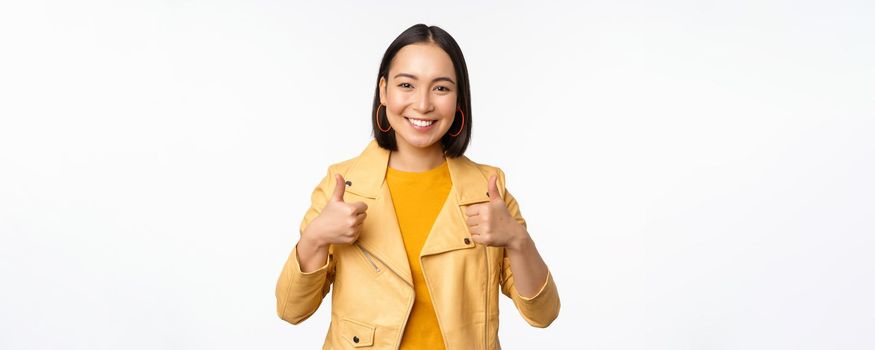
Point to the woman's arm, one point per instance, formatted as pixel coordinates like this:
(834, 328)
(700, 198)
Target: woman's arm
(525, 277)
(309, 270)
(529, 270)
(300, 290)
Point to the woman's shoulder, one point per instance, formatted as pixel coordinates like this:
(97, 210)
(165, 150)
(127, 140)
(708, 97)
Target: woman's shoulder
(488, 168)
(485, 168)
(342, 166)
(371, 150)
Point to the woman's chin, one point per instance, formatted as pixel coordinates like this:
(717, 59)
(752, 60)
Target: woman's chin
(420, 141)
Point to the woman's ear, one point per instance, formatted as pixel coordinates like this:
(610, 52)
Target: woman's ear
(383, 90)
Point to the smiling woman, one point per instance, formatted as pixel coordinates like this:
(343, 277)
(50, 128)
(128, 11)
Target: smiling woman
(416, 238)
(422, 79)
(419, 108)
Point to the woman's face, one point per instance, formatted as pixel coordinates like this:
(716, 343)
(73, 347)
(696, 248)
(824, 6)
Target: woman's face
(420, 95)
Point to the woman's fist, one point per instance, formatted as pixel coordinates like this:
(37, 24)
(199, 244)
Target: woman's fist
(339, 222)
(491, 223)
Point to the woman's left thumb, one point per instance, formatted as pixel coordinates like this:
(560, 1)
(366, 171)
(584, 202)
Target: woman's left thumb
(493, 188)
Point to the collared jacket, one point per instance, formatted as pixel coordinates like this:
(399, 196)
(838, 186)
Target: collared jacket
(373, 289)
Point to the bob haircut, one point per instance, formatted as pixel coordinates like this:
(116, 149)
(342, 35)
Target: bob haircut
(420, 33)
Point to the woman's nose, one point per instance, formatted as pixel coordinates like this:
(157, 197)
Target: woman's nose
(423, 104)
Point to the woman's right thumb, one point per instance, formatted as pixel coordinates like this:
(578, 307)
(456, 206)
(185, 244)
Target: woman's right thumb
(339, 188)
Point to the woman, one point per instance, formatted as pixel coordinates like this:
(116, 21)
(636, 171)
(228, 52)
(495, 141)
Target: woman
(416, 238)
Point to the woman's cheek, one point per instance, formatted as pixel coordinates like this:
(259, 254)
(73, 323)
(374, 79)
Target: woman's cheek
(397, 103)
(448, 107)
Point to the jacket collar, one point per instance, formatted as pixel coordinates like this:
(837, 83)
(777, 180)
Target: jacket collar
(369, 172)
(382, 235)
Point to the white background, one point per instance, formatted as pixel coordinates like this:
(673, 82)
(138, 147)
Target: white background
(697, 175)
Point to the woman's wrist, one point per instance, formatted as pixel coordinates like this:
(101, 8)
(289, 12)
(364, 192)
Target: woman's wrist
(311, 241)
(520, 241)
(311, 253)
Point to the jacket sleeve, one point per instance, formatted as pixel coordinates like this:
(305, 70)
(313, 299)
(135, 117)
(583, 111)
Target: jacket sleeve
(541, 309)
(299, 294)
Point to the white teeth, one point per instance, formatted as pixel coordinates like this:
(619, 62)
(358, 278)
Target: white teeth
(420, 122)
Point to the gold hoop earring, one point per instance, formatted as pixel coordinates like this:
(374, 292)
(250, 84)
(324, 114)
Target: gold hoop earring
(377, 117)
(463, 122)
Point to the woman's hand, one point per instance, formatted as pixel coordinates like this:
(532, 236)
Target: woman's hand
(491, 224)
(339, 222)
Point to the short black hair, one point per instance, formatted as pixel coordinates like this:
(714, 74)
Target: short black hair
(421, 33)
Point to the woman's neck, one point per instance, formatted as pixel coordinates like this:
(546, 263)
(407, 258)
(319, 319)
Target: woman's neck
(414, 159)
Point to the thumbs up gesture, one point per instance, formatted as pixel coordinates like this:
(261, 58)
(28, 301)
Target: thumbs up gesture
(491, 224)
(339, 222)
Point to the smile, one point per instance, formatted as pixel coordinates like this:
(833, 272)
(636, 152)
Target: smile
(420, 124)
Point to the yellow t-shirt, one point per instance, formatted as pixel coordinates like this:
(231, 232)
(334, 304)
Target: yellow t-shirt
(418, 198)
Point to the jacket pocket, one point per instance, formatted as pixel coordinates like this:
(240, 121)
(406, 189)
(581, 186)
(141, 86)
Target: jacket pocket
(358, 334)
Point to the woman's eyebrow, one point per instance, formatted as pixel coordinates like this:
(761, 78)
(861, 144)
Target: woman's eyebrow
(433, 80)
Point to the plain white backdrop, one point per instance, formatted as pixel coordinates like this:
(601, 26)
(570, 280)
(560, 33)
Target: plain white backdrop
(697, 175)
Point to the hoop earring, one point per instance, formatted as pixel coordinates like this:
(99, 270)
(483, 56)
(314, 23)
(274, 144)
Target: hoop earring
(463, 122)
(377, 117)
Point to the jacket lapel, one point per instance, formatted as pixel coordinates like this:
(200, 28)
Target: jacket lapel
(381, 233)
(450, 228)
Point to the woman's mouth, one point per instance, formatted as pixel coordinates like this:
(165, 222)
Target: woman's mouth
(421, 124)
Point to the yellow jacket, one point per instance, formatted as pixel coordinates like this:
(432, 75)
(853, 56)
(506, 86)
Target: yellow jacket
(373, 289)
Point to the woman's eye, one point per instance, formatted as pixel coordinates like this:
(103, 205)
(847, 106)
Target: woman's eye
(404, 85)
(444, 88)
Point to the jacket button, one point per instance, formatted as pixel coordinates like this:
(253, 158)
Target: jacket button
(467, 241)
(355, 339)
(348, 183)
